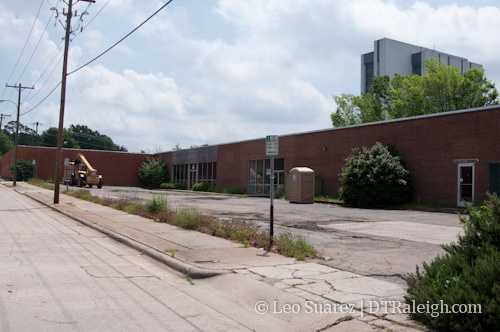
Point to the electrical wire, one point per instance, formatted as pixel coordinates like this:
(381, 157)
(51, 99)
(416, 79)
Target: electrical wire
(36, 47)
(26, 43)
(135, 29)
(118, 42)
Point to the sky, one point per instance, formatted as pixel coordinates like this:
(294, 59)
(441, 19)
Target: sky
(211, 72)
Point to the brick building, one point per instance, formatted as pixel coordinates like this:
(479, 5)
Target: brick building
(452, 157)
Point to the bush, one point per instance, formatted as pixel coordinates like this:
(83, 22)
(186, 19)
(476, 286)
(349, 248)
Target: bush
(25, 170)
(375, 178)
(201, 186)
(170, 185)
(153, 173)
(468, 274)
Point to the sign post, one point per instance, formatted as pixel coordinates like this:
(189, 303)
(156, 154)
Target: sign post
(272, 149)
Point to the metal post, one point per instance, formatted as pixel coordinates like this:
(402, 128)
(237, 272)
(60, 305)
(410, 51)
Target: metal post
(271, 192)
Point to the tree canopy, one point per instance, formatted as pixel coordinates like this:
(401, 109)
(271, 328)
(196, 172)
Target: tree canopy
(442, 89)
(90, 139)
(26, 134)
(49, 138)
(76, 137)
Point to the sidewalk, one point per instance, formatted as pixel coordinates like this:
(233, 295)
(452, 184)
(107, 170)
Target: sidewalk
(338, 300)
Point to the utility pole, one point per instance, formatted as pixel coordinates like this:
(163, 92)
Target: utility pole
(36, 131)
(2, 116)
(63, 101)
(20, 88)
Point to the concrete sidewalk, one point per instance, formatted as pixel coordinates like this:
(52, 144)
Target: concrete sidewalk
(338, 300)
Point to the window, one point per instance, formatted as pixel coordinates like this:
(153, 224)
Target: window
(259, 177)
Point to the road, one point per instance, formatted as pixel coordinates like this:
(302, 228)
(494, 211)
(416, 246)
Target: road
(371, 242)
(58, 275)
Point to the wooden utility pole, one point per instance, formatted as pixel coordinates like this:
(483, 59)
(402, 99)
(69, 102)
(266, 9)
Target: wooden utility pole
(20, 88)
(2, 116)
(38, 123)
(63, 101)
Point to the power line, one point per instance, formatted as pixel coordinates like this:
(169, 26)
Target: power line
(36, 47)
(26, 43)
(52, 91)
(118, 42)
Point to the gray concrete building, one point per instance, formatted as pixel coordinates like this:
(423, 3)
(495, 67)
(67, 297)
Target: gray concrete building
(391, 57)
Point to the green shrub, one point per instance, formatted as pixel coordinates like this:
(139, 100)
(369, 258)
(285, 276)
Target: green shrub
(468, 274)
(170, 185)
(157, 203)
(153, 172)
(25, 170)
(375, 178)
(201, 186)
(187, 218)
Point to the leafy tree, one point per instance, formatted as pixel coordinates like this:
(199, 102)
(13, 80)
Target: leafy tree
(375, 178)
(442, 89)
(153, 172)
(6, 144)
(468, 274)
(26, 135)
(347, 113)
(49, 138)
(90, 139)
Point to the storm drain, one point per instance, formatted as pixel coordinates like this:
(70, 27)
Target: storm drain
(206, 262)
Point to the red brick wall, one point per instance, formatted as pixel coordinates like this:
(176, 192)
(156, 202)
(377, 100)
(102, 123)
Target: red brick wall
(432, 147)
(115, 167)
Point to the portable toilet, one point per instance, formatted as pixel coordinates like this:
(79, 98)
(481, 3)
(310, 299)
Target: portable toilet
(301, 185)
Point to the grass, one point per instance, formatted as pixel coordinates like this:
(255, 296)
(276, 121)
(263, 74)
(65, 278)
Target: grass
(41, 183)
(329, 199)
(192, 219)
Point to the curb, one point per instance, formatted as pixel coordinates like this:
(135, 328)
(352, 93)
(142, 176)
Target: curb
(189, 270)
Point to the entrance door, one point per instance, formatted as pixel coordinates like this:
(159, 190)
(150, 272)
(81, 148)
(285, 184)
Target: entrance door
(465, 184)
(193, 175)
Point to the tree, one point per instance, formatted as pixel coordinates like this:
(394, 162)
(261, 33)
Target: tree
(347, 113)
(6, 144)
(442, 89)
(26, 135)
(375, 178)
(49, 138)
(90, 139)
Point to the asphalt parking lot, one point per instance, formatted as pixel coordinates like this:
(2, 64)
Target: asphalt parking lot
(382, 243)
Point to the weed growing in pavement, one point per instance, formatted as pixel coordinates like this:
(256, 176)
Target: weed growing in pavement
(294, 246)
(187, 218)
(172, 252)
(157, 203)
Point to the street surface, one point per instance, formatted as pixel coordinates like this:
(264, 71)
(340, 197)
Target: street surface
(370, 242)
(58, 275)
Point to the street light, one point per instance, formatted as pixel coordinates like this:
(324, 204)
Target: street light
(15, 140)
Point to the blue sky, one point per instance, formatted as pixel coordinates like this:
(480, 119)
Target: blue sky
(209, 72)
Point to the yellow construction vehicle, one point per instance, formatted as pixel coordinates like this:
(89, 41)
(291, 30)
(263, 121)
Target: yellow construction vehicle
(82, 173)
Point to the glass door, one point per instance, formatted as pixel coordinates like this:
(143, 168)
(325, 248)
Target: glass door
(465, 184)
